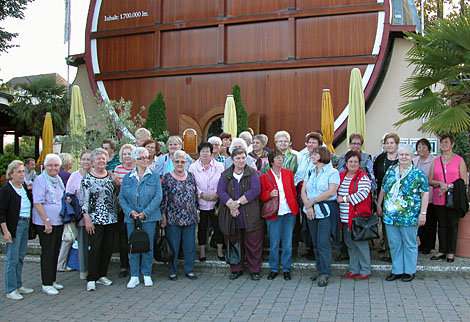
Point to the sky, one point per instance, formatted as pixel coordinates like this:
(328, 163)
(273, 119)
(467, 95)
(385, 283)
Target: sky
(41, 39)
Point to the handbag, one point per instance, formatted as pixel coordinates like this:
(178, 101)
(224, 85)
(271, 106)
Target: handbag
(270, 207)
(365, 226)
(139, 241)
(163, 251)
(450, 192)
(70, 232)
(233, 254)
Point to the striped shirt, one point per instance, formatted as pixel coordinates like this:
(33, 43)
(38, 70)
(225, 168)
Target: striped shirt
(121, 171)
(363, 190)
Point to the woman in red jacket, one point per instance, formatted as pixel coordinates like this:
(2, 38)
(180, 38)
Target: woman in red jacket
(354, 199)
(280, 182)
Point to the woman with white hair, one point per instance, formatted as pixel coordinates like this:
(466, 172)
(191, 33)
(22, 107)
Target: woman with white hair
(245, 135)
(283, 142)
(216, 145)
(165, 162)
(15, 213)
(239, 143)
(98, 203)
(405, 193)
(48, 190)
(140, 197)
(67, 164)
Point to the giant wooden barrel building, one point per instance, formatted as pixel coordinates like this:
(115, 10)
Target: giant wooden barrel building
(282, 53)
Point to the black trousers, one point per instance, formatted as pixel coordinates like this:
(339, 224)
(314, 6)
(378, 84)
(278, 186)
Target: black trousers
(427, 233)
(50, 247)
(122, 230)
(448, 224)
(206, 216)
(100, 248)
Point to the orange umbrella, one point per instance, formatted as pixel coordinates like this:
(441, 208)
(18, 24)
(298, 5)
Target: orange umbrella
(327, 120)
(47, 135)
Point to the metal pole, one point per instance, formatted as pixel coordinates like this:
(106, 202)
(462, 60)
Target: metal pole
(422, 17)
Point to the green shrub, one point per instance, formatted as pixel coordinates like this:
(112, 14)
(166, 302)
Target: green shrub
(242, 115)
(156, 121)
(5, 160)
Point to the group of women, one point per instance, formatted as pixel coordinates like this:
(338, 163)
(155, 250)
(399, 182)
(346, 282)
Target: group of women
(226, 187)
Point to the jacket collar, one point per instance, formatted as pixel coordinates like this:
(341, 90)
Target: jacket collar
(200, 167)
(134, 173)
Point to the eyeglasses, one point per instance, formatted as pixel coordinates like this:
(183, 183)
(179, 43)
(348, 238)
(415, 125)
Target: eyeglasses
(143, 158)
(179, 162)
(356, 144)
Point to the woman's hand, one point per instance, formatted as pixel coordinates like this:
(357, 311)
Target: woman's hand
(163, 221)
(47, 227)
(235, 213)
(310, 213)
(141, 216)
(134, 214)
(274, 193)
(421, 220)
(7, 237)
(232, 205)
(89, 227)
(379, 210)
(442, 188)
(339, 199)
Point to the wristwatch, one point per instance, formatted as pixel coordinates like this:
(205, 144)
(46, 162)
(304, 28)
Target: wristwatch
(239, 202)
(47, 219)
(449, 185)
(423, 213)
(345, 199)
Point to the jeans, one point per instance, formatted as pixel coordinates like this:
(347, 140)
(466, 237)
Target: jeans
(403, 248)
(320, 230)
(16, 252)
(142, 262)
(188, 234)
(281, 230)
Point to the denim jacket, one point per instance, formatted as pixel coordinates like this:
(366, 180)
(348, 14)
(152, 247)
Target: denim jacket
(142, 196)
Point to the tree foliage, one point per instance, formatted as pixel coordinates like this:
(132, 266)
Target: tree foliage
(13, 9)
(26, 147)
(242, 115)
(156, 121)
(439, 89)
(34, 100)
(441, 9)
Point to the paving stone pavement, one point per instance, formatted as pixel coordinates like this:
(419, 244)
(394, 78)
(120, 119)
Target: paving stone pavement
(213, 297)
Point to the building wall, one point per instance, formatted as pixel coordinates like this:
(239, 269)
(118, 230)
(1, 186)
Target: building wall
(383, 112)
(88, 98)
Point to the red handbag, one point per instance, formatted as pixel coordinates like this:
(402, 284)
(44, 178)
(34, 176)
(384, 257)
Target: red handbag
(270, 207)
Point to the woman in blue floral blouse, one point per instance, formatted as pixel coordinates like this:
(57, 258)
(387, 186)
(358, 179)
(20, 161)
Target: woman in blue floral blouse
(405, 194)
(180, 213)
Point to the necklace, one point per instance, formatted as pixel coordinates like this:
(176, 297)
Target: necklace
(179, 175)
(98, 174)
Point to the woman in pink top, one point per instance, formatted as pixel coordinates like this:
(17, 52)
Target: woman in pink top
(207, 172)
(444, 171)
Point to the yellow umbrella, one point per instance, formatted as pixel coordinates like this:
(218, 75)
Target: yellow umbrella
(357, 106)
(77, 124)
(327, 120)
(230, 117)
(47, 135)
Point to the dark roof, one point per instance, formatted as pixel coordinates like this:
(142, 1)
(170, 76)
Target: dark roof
(75, 60)
(16, 81)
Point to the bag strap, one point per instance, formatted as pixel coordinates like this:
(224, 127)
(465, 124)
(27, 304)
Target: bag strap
(137, 224)
(443, 171)
(271, 180)
(355, 184)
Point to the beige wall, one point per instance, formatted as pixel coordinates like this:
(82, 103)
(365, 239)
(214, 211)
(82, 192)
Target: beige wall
(89, 101)
(383, 112)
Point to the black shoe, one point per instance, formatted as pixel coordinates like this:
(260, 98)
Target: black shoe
(287, 276)
(235, 275)
(255, 276)
(435, 257)
(408, 277)
(313, 278)
(202, 259)
(323, 280)
(393, 277)
(222, 258)
(386, 259)
(173, 278)
(425, 251)
(450, 260)
(191, 277)
(123, 274)
(272, 275)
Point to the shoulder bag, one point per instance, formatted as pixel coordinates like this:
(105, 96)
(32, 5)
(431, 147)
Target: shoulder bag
(450, 192)
(139, 241)
(364, 225)
(270, 207)
(163, 251)
(233, 254)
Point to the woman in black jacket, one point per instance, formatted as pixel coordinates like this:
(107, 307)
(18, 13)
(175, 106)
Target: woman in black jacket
(15, 215)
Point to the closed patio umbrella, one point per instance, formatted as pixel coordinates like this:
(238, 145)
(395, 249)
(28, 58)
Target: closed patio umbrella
(230, 117)
(47, 136)
(77, 125)
(357, 107)
(327, 120)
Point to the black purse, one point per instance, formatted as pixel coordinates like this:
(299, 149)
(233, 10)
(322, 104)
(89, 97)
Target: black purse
(163, 251)
(233, 254)
(450, 192)
(365, 226)
(139, 241)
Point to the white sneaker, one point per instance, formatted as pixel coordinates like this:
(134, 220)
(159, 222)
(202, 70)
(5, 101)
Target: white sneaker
(57, 286)
(133, 282)
(148, 281)
(25, 290)
(50, 290)
(104, 281)
(83, 275)
(91, 286)
(15, 295)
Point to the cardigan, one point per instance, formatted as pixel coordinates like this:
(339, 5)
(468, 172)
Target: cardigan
(289, 189)
(10, 205)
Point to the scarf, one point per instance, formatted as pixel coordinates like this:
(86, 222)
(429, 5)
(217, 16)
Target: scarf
(52, 184)
(396, 186)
